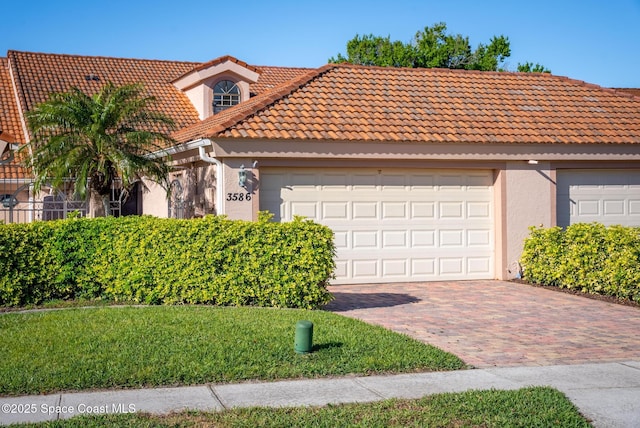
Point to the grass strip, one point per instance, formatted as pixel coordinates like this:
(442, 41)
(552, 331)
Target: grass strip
(133, 347)
(528, 407)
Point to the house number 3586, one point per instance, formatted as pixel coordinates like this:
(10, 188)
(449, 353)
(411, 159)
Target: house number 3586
(238, 196)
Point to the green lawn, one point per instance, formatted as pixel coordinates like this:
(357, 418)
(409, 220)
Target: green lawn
(528, 407)
(132, 347)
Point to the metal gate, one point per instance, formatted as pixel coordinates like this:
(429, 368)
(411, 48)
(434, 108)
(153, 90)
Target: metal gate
(20, 204)
(178, 206)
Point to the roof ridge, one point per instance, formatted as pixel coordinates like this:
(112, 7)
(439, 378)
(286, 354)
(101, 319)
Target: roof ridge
(625, 92)
(285, 67)
(13, 51)
(437, 69)
(224, 58)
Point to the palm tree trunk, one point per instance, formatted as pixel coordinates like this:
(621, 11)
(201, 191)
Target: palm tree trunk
(98, 205)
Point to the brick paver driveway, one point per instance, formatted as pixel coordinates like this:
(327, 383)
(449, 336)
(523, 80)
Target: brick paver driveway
(498, 323)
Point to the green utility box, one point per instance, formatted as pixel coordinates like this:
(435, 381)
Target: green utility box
(304, 337)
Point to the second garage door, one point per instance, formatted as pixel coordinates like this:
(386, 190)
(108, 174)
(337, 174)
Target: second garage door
(393, 225)
(605, 196)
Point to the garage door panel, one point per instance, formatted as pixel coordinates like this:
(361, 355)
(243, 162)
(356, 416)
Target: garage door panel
(395, 268)
(478, 265)
(451, 238)
(394, 210)
(393, 225)
(451, 266)
(479, 210)
(421, 182)
(423, 238)
(334, 182)
(334, 211)
(341, 239)
(423, 268)
(451, 209)
(479, 238)
(365, 210)
(365, 239)
(305, 209)
(395, 239)
(365, 269)
(395, 181)
(423, 210)
(364, 181)
(613, 207)
(304, 181)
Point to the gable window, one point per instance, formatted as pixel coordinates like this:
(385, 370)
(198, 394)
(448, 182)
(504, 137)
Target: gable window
(225, 94)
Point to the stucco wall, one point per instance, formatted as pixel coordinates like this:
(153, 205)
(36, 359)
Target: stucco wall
(528, 198)
(240, 203)
(154, 200)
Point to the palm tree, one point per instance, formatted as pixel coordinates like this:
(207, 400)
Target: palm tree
(97, 139)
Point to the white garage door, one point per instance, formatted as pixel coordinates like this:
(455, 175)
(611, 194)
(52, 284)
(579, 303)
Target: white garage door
(393, 225)
(606, 196)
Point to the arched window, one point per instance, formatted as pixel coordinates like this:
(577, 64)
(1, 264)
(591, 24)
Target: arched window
(225, 94)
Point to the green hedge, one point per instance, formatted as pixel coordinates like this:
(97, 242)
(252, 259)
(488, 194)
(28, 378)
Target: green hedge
(166, 261)
(587, 257)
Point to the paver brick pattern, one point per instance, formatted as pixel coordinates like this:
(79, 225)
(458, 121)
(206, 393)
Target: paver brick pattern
(498, 323)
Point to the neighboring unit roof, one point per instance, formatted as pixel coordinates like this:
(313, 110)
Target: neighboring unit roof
(40, 74)
(9, 115)
(9, 122)
(632, 91)
(357, 103)
(37, 75)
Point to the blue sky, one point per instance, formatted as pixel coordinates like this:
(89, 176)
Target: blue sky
(592, 40)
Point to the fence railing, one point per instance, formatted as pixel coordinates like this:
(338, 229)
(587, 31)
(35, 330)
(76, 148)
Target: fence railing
(20, 204)
(51, 208)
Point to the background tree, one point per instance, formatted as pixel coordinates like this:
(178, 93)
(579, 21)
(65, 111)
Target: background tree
(529, 67)
(96, 140)
(376, 50)
(430, 48)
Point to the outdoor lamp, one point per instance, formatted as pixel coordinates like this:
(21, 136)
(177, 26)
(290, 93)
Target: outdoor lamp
(242, 176)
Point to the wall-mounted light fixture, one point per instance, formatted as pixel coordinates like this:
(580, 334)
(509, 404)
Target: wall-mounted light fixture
(532, 162)
(242, 177)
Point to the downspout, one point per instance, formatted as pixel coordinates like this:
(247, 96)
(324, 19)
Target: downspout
(219, 173)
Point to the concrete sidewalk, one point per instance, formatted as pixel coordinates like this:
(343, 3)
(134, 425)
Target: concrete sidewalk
(608, 393)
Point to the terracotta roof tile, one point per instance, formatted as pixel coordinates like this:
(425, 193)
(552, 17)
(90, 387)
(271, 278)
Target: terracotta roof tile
(345, 102)
(9, 121)
(41, 74)
(632, 91)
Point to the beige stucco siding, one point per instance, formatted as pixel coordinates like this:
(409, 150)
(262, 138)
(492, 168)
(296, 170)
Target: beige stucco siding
(154, 200)
(527, 201)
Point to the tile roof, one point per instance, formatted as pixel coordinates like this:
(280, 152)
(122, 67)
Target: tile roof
(270, 77)
(9, 121)
(357, 103)
(9, 115)
(39, 74)
(632, 91)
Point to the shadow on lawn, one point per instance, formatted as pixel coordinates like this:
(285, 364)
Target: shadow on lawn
(347, 301)
(327, 345)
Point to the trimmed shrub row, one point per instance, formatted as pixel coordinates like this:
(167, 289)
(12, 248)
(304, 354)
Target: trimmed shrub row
(587, 257)
(167, 261)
